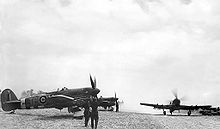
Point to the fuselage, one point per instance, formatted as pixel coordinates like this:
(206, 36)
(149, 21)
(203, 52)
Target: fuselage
(61, 99)
(107, 101)
(57, 99)
(175, 102)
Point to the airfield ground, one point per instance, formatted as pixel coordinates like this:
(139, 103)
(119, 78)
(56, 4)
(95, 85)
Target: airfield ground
(54, 119)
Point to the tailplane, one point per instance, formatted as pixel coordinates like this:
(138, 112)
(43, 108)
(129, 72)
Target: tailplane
(9, 101)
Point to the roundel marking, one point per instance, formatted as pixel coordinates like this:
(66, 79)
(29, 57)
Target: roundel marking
(43, 99)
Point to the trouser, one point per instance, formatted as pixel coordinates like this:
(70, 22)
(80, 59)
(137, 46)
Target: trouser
(86, 121)
(94, 119)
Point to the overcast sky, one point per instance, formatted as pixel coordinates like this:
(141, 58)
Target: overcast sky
(141, 49)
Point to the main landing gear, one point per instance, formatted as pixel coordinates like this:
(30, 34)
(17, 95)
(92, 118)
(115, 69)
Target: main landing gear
(189, 113)
(164, 113)
(171, 112)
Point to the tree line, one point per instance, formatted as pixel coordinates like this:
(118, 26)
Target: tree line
(30, 93)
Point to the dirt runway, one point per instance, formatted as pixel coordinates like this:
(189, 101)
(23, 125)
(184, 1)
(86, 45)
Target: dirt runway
(54, 119)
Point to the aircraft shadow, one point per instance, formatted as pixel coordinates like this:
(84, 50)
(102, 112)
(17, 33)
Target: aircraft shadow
(106, 111)
(60, 117)
(177, 115)
(28, 114)
(46, 117)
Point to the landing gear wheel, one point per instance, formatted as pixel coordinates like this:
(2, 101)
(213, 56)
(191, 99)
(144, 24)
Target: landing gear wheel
(189, 113)
(171, 112)
(164, 113)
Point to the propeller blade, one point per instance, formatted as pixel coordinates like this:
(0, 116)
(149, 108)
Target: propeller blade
(175, 93)
(92, 83)
(96, 96)
(115, 95)
(184, 98)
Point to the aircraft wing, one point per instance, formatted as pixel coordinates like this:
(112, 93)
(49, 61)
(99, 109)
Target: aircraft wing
(193, 107)
(158, 106)
(67, 100)
(106, 103)
(180, 107)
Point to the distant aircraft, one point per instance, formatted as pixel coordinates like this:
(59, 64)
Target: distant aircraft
(175, 105)
(65, 98)
(211, 111)
(109, 102)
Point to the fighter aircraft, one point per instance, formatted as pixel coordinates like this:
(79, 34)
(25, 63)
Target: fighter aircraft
(211, 111)
(108, 102)
(65, 98)
(175, 105)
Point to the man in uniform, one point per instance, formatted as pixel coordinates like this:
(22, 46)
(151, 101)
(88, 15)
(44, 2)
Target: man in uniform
(117, 106)
(86, 113)
(94, 113)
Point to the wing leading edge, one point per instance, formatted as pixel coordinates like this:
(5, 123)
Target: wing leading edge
(158, 106)
(180, 107)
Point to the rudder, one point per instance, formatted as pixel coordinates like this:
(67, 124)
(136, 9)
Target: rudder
(9, 101)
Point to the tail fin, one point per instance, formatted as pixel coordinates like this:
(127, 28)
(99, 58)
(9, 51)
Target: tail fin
(9, 101)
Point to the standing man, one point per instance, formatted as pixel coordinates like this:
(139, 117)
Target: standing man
(87, 113)
(117, 106)
(94, 113)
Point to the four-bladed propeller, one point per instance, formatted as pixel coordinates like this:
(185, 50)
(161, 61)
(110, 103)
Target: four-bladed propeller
(115, 95)
(176, 95)
(177, 100)
(93, 84)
